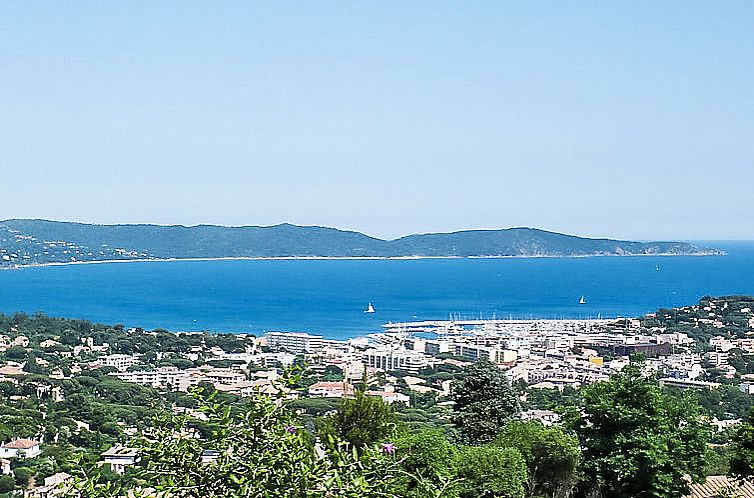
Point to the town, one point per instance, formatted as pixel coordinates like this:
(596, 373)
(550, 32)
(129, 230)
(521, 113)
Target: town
(68, 381)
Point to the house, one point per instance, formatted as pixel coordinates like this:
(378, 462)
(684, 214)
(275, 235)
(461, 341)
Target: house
(21, 340)
(21, 448)
(49, 343)
(55, 485)
(330, 390)
(4, 466)
(209, 456)
(119, 458)
(390, 396)
(547, 417)
(12, 370)
(715, 486)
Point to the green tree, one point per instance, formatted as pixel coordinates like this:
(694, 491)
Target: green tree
(361, 421)
(484, 402)
(260, 452)
(640, 441)
(742, 460)
(7, 484)
(491, 472)
(551, 456)
(16, 353)
(23, 475)
(332, 374)
(428, 461)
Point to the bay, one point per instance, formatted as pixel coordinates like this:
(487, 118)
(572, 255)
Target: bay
(329, 297)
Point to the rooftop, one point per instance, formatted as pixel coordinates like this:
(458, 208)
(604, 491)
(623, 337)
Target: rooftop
(714, 485)
(21, 444)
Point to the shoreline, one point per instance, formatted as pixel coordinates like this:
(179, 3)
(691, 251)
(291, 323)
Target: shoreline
(340, 258)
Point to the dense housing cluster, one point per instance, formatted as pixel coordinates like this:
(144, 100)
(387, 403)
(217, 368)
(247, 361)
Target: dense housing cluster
(75, 395)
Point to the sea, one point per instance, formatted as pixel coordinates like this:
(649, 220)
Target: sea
(329, 297)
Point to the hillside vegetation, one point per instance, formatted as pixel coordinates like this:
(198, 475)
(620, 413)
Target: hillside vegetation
(25, 242)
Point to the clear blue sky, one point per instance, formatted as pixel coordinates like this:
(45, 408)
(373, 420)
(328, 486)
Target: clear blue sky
(627, 119)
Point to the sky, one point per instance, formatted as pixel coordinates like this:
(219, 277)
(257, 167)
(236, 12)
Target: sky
(630, 119)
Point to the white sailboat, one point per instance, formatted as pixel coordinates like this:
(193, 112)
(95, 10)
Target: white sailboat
(370, 309)
(582, 300)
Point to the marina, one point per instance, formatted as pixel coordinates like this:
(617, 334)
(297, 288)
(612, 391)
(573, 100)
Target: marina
(332, 298)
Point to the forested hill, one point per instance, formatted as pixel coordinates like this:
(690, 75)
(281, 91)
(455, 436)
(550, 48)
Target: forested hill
(24, 242)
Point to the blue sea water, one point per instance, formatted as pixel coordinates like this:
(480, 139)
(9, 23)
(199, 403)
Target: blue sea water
(329, 296)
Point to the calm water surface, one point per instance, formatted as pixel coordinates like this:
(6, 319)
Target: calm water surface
(328, 297)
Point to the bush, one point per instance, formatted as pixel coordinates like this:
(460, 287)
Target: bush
(262, 452)
(490, 471)
(7, 484)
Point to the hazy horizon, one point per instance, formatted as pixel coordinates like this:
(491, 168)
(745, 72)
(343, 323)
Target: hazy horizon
(631, 121)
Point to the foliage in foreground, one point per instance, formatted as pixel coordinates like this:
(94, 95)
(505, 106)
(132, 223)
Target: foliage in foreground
(261, 453)
(484, 402)
(626, 427)
(630, 427)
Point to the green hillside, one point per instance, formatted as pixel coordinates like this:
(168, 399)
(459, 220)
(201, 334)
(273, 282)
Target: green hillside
(40, 241)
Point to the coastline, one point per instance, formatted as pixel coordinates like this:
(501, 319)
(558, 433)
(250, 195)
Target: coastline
(342, 258)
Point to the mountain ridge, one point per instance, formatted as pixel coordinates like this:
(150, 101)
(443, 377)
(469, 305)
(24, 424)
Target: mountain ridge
(36, 241)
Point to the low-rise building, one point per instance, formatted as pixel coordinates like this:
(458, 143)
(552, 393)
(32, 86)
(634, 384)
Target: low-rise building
(55, 485)
(119, 458)
(687, 383)
(547, 417)
(330, 390)
(21, 448)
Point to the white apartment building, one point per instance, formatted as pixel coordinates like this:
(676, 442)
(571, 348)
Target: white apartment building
(717, 358)
(295, 342)
(494, 354)
(396, 359)
(161, 377)
(118, 361)
(721, 344)
(181, 380)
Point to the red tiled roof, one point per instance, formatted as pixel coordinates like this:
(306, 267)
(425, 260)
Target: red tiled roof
(714, 484)
(21, 444)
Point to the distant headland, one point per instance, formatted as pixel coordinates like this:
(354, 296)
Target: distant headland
(40, 242)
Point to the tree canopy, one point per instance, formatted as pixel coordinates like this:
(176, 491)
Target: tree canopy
(484, 402)
(630, 427)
